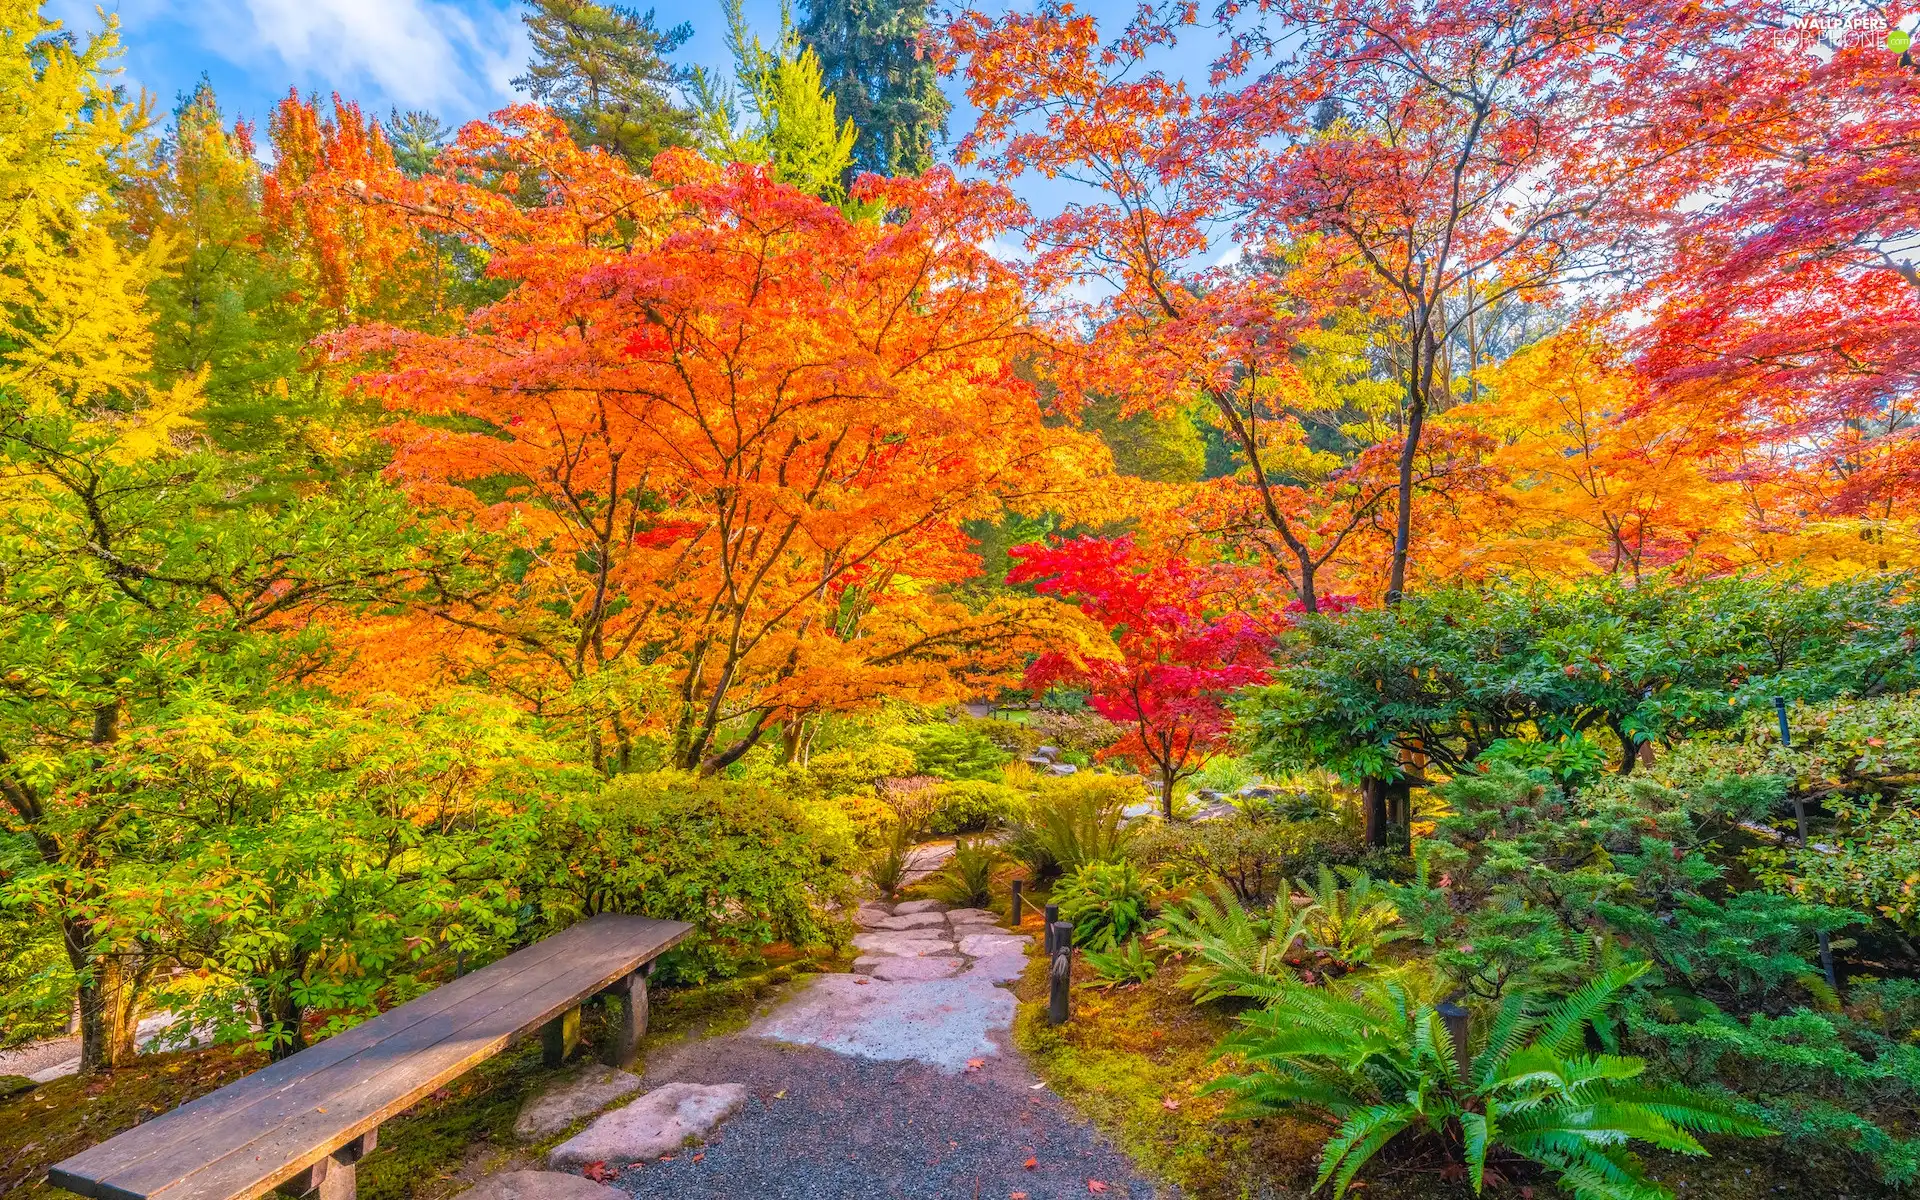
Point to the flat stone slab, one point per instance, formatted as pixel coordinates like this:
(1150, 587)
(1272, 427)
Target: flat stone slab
(659, 1122)
(958, 915)
(870, 916)
(995, 968)
(894, 968)
(926, 920)
(987, 945)
(910, 907)
(567, 1100)
(941, 1022)
(906, 944)
(539, 1185)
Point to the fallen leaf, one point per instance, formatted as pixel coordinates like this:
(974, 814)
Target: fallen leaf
(1018, 1196)
(1036, 1087)
(1095, 1186)
(781, 1094)
(1031, 1163)
(862, 981)
(698, 1157)
(598, 1172)
(1170, 1104)
(974, 1064)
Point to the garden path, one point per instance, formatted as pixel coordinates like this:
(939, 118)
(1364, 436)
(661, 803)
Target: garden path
(898, 1079)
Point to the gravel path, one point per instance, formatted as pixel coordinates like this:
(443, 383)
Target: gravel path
(869, 1086)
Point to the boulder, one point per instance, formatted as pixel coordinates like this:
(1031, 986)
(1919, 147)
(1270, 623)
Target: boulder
(910, 907)
(658, 1123)
(1046, 752)
(1062, 769)
(565, 1101)
(540, 1185)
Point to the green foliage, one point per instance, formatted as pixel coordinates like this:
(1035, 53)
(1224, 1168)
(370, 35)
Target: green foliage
(1105, 901)
(1253, 857)
(971, 805)
(603, 69)
(1376, 1058)
(881, 80)
(1126, 965)
(956, 752)
(967, 879)
(1236, 953)
(1347, 926)
(888, 865)
(792, 123)
(744, 865)
(1223, 773)
(1593, 665)
(1073, 821)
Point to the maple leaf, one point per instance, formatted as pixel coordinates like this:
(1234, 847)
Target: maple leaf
(599, 1172)
(1170, 1104)
(1031, 1163)
(1096, 1186)
(974, 1064)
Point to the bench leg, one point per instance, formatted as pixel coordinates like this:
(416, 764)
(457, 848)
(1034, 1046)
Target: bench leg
(623, 1042)
(560, 1036)
(335, 1176)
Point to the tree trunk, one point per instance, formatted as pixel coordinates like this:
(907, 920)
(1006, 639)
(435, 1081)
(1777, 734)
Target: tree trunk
(110, 993)
(1167, 781)
(1373, 808)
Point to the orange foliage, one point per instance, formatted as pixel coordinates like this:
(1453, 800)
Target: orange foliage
(728, 433)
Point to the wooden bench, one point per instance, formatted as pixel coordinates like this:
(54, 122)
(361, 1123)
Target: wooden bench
(300, 1125)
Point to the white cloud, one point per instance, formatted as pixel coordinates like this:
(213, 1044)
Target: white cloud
(414, 53)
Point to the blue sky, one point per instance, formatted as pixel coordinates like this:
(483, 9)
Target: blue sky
(454, 57)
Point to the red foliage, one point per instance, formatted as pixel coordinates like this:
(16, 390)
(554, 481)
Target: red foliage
(1179, 655)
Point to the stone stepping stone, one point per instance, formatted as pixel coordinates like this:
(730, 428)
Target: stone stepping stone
(986, 945)
(995, 968)
(959, 915)
(870, 916)
(908, 944)
(910, 907)
(540, 1185)
(927, 920)
(658, 1123)
(565, 1101)
(894, 968)
(941, 1022)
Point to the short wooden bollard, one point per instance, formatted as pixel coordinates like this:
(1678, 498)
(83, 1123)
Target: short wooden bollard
(1051, 917)
(1013, 912)
(1455, 1019)
(1060, 986)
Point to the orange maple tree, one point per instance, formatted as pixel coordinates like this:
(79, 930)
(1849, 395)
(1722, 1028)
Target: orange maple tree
(728, 433)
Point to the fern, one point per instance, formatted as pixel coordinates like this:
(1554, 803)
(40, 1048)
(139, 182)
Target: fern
(1122, 966)
(1236, 953)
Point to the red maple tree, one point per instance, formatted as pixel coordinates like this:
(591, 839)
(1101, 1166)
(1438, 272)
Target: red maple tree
(1179, 654)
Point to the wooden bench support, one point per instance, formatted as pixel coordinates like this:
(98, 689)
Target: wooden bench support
(335, 1176)
(560, 1037)
(623, 1040)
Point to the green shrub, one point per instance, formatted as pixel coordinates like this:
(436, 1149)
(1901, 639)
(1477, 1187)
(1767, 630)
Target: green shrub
(967, 879)
(971, 805)
(1237, 953)
(1376, 1059)
(746, 866)
(1124, 966)
(888, 865)
(1014, 737)
(1347, 926)
(856, 769)
(1223, 773)
(1106, 902)
(956, 752)
(1073, 821)
(1251, 856)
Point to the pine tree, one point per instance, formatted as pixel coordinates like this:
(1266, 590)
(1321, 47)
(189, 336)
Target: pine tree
(603, 69)
(792, 122)
(870, 53)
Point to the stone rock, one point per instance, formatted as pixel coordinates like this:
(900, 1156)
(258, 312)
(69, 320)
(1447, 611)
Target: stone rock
(540, 1185)
(567, 1100)
(959, 915)
(1062, 769)
(894, 968)
(1217, 811)
(913, 943)
(995, 968)
(1146, 808)
(659, 1122)
(1034, 760)
(941, 1022)
(1047, 751)
(987, 945)
(923, 920)
(869, 916)
(911, 907)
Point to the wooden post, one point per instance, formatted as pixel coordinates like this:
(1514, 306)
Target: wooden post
(1455, 1019)
(1051, 915)
(560, 1037)
(1060, 978)
(1013, 912)
(333, 1177)
(623, 1042)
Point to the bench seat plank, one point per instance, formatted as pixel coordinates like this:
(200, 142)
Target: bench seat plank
(244, 1139)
